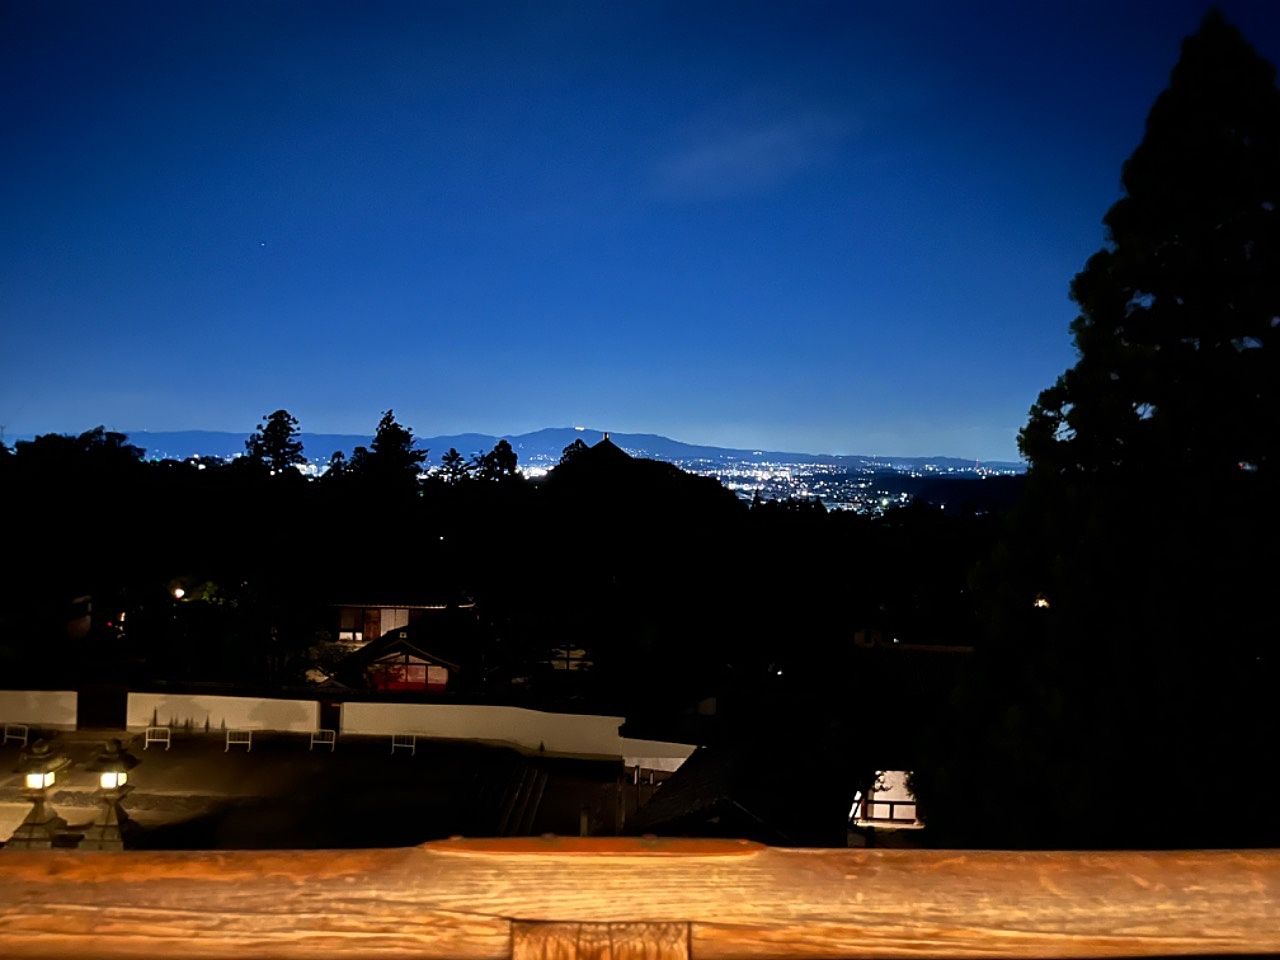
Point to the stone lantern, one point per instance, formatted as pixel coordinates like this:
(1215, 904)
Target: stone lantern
(39, 767)
(112, 766)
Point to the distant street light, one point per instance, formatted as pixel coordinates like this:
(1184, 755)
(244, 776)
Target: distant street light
(39, 766)
(178, 593)
(112, 766)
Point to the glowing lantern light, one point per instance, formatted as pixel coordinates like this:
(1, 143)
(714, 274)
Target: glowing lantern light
(41, 781)
(112, 766)
(42, 827)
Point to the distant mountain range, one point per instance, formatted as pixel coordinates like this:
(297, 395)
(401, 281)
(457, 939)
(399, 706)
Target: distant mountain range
(543, 448)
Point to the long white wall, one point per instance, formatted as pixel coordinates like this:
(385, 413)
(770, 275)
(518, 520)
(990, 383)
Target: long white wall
(235, 713)
(39, 708)
(655, 754)
(574, 734)
(580, 734)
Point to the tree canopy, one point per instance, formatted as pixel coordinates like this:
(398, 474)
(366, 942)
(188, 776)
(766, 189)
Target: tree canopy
(392, 458)
(1179, 311)
(1130, 633)
(498, 464)
(276, 443)
(454, 467)
(578, 446)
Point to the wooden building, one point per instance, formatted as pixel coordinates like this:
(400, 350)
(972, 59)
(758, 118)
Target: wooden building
(362, 623)
(399, 665)
(429, 653)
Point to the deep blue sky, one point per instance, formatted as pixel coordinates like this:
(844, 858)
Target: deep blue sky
(841, 227)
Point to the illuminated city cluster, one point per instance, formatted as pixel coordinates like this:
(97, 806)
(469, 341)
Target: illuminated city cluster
(835, 486)
(858, 487)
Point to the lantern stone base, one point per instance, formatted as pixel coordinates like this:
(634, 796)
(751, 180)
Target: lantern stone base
(37, 834)
(102, 837)
(111, 828)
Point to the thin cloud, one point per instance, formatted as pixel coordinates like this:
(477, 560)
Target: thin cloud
(729, 161)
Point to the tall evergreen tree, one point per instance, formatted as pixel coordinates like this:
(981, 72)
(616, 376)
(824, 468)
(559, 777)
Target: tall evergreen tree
(276, 443)
(1179, 313)
(1152, 459)
(1131, 634)
(392, 458)
(104, 446)
(498, 464)
(337, 466)
(454, 467)
(578, 446)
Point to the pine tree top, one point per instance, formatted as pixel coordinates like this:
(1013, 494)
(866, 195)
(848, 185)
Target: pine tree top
(1179, 312)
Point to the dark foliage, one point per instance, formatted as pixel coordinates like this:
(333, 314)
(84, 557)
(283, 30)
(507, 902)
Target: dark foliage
(674, 588)
(391, 462)
(498, 464)
(454, 467)
(1134, 708)
(275, 444)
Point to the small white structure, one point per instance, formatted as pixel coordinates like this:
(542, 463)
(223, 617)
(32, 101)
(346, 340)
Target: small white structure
(16, 731)
(404, 741)
(889, 803)
(239, 738)
(324, 738)
(157, 735)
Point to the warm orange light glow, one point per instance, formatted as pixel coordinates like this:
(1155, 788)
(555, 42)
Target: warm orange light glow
(113, 779)
(1041, 602)
(38, 781)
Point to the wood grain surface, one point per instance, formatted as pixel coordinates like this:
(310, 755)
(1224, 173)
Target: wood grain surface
(457, 899)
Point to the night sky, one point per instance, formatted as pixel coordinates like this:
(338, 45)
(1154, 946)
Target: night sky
(840, 227)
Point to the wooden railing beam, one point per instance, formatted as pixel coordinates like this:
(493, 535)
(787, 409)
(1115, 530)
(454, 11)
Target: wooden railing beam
(736, 900)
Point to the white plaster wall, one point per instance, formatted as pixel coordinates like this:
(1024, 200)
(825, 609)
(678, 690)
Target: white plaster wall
(234, 713)
(39, 708)
(654, 754)
(570, 733)
(891, 785)
(531, 730)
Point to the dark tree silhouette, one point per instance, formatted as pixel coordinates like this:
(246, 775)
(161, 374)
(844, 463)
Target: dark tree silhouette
(1178, 320)
(1153, 458)
(338, 466)
(454, 467)
(104, 447)
(93, 451)
(572, 450)
(392, 458)
(498, 464)
(1131, 632)
(275, 442)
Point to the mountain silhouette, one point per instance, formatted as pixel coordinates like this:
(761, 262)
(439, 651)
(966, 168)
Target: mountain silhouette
(538, 448)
